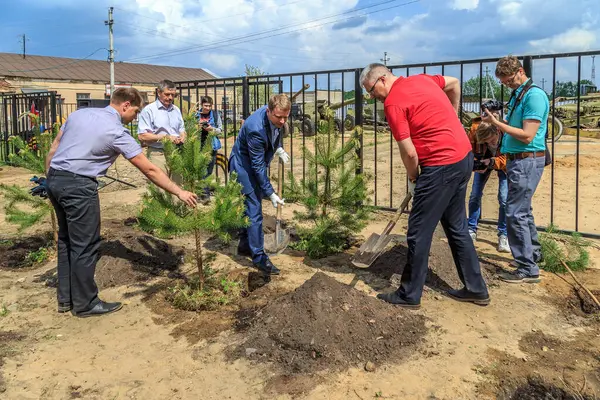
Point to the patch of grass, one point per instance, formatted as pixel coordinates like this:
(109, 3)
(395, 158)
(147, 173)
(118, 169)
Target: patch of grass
(4, 311)
(557, 247)
(38, 256)
(218, 291)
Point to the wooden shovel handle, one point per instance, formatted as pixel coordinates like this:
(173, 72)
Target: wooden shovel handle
(279, 186)
(396, 217)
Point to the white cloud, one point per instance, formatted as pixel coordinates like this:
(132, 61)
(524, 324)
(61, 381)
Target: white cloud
(574, 39)
(420, 32)
(465, 4)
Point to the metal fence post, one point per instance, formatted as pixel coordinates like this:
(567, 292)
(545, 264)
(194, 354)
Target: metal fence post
(358, 115)
(245, 98)
(527, 66)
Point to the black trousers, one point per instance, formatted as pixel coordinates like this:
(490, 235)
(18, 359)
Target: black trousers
(440, 197)
(75, 200)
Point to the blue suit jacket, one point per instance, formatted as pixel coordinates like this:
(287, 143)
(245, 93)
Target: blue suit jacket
(252, 153)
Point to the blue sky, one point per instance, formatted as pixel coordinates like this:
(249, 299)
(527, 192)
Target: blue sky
(293, 35)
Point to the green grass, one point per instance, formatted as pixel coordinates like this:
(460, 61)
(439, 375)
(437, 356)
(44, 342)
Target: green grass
(4, 311)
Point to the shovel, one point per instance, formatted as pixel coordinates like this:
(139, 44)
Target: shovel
(275, 243)
(376, 244)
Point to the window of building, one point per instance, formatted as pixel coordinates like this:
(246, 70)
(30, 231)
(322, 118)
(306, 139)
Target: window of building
(83, 96)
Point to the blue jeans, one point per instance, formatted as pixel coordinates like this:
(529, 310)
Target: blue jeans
(479, 181)
(523, 178)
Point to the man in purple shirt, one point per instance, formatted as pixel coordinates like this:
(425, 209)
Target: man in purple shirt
(88, 144)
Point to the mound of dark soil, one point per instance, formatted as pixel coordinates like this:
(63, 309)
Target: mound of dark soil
(128, 256)
(325, 324)
(13, 253)
(442, 272)
(536, 389)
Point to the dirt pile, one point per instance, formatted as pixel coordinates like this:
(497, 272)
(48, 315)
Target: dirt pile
(536, 389)
(128, 256)
(325, 324)
(551, 368)
(13, 252)
(442, 272)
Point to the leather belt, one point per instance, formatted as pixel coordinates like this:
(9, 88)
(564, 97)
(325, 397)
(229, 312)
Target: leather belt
(526, 154)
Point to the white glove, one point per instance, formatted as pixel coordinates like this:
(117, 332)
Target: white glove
(411, 187)
(276, 200)
(285, 157)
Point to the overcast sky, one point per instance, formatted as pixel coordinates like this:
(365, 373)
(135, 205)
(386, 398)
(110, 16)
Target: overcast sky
(304, 35)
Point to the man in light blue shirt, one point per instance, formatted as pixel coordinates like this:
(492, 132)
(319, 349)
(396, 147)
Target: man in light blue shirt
(161, 119)
(524, 145)
(88, 144)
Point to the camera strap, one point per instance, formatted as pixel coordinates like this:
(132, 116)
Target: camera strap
(518, 99)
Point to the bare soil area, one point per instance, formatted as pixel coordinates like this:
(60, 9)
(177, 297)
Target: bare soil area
(315, 332)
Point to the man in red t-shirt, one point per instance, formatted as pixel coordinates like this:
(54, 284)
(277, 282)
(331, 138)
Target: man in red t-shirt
(422, 113)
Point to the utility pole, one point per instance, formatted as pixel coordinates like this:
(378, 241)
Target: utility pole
(593, 71)
(385, 58)
(487, 71)
(111, 49)
(24, 39)
(543, 81)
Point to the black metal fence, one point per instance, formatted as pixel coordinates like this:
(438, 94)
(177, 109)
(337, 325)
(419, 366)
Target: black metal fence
(558, 201)
(574, 126)
(13, 119)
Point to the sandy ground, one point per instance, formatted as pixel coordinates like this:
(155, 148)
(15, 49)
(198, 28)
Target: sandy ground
(145, 351)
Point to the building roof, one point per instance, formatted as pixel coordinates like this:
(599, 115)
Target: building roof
(73, 69)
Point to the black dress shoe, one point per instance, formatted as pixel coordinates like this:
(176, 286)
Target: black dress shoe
(466, 296)
(268, 268)
(393, 298)
(64, 307)
(99, 309)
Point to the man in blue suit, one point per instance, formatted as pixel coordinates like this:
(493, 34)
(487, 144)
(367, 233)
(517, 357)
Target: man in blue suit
(259, 140)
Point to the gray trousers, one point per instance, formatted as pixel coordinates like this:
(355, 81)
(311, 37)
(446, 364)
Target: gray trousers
(523, 178)
(75, 200)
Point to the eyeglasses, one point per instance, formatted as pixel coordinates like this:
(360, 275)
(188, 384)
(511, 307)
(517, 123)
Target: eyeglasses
(509, 81)
(375, 84)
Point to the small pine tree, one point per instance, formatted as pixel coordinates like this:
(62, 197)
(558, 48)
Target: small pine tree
(31, 156)
(166, 216)
(333, 195)
(557, 247)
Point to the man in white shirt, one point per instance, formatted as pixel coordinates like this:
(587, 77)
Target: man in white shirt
(159, 120)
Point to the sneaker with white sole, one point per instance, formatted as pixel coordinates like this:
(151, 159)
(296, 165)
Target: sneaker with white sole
(519, 277)
(503, 246)
(473, 235)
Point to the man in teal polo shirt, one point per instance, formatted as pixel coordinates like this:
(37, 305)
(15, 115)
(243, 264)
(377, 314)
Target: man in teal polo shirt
(524, 145)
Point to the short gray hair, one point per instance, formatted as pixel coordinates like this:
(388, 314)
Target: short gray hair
(368, 74)
(165, 84)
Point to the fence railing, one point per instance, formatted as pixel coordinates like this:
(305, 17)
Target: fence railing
(573, 137)
(559, 199)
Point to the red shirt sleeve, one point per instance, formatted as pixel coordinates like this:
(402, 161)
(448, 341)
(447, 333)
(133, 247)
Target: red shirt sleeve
(397, 118)
(438, 79)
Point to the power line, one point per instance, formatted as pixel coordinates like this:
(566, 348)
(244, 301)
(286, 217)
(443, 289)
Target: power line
(239, 39)
(240, 50)
(76, 61)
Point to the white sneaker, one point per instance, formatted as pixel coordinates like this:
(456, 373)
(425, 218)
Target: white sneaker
(503, 246)
(473, 235)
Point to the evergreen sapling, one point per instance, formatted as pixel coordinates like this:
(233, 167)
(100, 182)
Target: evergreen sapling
(333, 195)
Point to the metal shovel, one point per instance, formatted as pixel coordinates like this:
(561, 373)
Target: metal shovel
(376, 244)
(275, 243)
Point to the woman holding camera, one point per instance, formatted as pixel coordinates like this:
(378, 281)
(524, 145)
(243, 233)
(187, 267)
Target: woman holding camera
(210, 121)
(486, 139)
